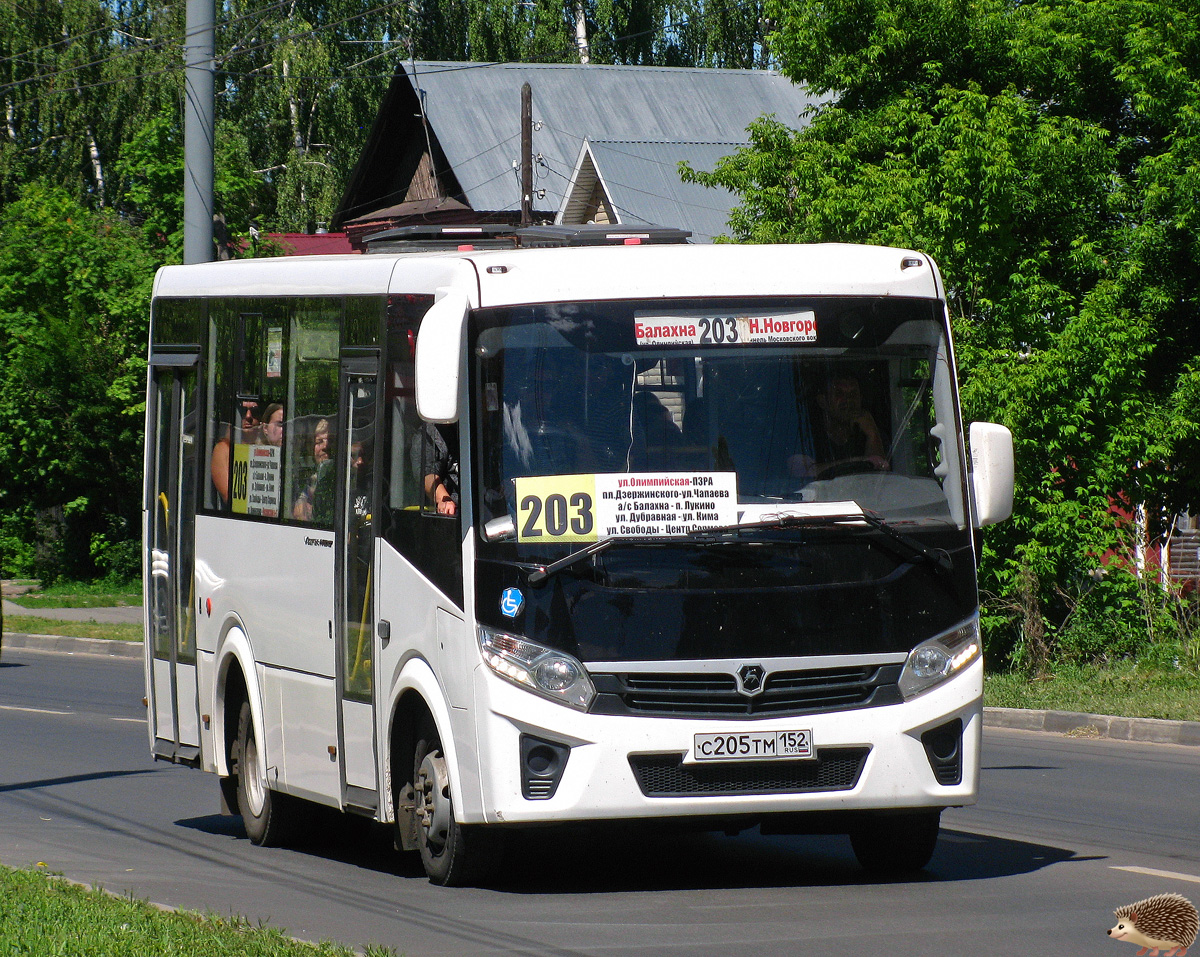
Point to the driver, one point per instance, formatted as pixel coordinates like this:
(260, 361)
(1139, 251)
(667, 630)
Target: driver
(844, 432)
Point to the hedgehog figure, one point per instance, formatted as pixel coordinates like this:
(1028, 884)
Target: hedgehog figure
(1166, 922)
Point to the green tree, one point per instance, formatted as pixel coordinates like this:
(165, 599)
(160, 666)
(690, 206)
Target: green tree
(74, 287)
(77, 78)
(1045, 153)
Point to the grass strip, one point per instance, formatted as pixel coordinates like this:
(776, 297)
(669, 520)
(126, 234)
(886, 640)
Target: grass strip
(34, 602)
(81, 595)
(46, 916)
(1118, 688)
(32, 625)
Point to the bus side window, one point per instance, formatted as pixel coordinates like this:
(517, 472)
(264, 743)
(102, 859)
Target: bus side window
(313, 441)
(430, 542)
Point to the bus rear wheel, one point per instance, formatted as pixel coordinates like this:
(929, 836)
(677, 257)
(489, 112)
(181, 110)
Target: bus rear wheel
(892, 845)
(266, 814)
(453, 854)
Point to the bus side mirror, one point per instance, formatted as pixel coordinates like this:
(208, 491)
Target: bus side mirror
(991, 472)
(439, 351)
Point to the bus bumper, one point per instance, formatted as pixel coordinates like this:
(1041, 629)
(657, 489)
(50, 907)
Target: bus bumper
(883, 761)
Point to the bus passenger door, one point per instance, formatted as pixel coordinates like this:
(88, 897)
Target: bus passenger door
(170, 579)
(356, 666)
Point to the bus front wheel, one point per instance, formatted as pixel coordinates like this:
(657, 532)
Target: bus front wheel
(265, 813)
(891, 845)
(453, 854)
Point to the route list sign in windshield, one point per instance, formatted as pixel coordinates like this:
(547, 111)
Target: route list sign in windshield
(587, 508)
(652, 330)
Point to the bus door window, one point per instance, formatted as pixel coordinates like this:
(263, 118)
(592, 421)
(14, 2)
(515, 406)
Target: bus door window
(359, 472)
(172, 612)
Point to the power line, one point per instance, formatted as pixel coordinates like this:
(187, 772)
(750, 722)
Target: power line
(143, 48)
(80, 36)
(220, 61)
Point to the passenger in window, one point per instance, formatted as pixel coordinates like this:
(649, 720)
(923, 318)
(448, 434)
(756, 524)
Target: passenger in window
(271, 432)
(248, 430)
(303, 509)
(845, 437)
(438, 449)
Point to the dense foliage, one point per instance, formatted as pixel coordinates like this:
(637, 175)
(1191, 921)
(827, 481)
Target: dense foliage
(73, 320)
(1047, 154)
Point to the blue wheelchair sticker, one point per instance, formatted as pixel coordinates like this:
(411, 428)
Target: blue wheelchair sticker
(511, 602)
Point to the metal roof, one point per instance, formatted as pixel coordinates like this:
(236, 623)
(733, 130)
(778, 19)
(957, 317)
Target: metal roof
(646, 118)
(642, 181)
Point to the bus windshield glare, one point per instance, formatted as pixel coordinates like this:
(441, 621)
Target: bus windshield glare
(713, 414)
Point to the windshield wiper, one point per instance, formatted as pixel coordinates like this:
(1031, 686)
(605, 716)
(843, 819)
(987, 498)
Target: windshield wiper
(937, 557)
(542, 572)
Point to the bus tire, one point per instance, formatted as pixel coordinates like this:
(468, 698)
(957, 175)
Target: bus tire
(892, 845)
(265, 813)
(453, 854)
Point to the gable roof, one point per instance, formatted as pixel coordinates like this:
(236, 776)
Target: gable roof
(638, 121)
(641, 182)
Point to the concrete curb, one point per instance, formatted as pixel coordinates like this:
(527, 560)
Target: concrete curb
(1083, 725)
(104, 647)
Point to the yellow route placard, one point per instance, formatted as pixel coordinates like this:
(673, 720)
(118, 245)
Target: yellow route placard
(586, 508)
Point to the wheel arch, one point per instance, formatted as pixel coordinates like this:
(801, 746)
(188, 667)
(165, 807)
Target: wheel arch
(236, 682)
(416, 695)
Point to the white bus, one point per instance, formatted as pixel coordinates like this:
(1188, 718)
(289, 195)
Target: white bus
(482, 539)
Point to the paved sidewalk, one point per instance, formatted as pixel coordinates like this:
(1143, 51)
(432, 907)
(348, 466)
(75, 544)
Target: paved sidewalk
(125, 615)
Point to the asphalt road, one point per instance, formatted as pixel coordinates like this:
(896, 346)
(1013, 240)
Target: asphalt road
(1066, 830)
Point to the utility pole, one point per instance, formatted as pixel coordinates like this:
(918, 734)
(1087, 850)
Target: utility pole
(526, 155)
(198, 133)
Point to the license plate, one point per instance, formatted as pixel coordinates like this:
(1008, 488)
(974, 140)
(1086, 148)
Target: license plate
(753, 746)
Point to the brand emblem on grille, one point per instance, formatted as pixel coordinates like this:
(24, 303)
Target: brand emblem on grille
(750, 679)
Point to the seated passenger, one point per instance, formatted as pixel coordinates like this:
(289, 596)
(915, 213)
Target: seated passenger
(222, 452)
(271, 432)
(303, 509)
(844, 433)
(437, 447)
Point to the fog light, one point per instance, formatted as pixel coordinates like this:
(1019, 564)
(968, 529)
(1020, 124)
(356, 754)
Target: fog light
(542, 766)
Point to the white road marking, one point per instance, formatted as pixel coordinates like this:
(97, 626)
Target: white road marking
(1153, 872)
(13, 707)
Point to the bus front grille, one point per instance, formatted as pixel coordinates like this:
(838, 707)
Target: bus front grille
(665, 775)
(716, 695)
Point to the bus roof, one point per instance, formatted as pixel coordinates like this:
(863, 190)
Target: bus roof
(515, 276)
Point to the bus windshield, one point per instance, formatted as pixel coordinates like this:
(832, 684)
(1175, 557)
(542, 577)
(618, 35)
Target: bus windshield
(772, 405)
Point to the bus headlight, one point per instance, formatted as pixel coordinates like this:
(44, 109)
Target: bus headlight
(536, 668)
(940, 658)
